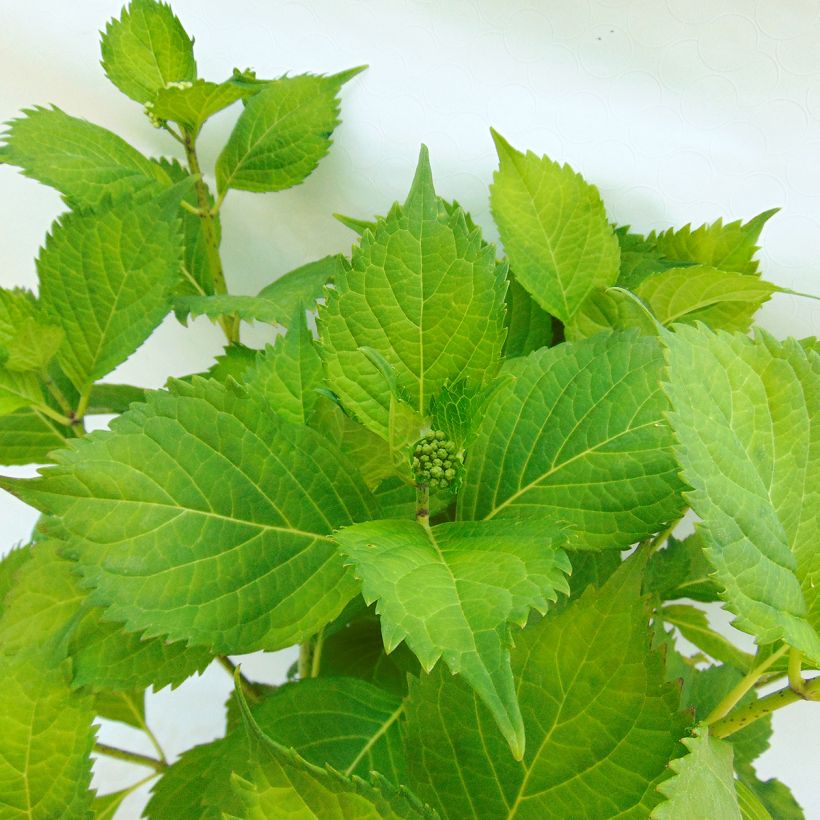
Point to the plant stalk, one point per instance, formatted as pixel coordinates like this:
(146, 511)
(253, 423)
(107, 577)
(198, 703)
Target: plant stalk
(130, 757)
(728, 725)
(249, 688)
(423, 505)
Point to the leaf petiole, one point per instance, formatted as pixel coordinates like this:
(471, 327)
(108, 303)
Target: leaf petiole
(130, 757)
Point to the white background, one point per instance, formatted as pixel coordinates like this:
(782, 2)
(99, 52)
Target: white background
(683, 110)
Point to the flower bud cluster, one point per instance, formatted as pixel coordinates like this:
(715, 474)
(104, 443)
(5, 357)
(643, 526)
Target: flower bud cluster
(436, 460)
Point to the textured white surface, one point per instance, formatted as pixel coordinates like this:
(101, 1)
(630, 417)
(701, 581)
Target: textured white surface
(683, 110)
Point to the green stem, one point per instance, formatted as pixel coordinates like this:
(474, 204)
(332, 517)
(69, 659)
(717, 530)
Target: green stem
(316, 660)
(810, 690)
(130, 757)
(82, 405)
(423, 504)
(796, 681)
(66, 421)
(229, 326)
(744, 685)
(249, 688)
(59, 396)
(304, 663)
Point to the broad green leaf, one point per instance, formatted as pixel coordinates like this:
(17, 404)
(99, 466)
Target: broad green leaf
(424, 294)
(751, 808)
(145, 49)
(281, 782)
(28, 341)
(233, 363)
(247, 308)
(775, 796)
(639, 258)
(529, 327)
(46, 735)
(125, 707)
(729, 247)
(744, 412)
(579, 435)
(588, 569)
(84, 162)
(611, 309)
(702, 787)
(10, 565)
(113, 398)
(303, 285)
(27, 437)
(221, 506)
(454, 590)
(286, 375)
(357, 650)
(721, 299)
(18, 390)
(106, 280)
(282, 134)
(682, 571)
(554, 230)
(694, 626)
(601, 724)
(192, 105)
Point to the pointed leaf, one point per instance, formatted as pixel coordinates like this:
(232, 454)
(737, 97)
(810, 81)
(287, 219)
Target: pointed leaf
(611, 309)
(106, 280)
(721, 299)
(286, 375)
(601, 724)
(145, 49)
(694, 626)
(529, 327)
(303, 285)
(10, 565)
(282, 134)
(113, 398)
(28, 341)
(191, 105)
(452, 592)
(639, 258)
(702, 787)
(774, 796)
(27, 437)
(600, 425)
(126, 707)
(425, 292)
(729, 247)
(554, 230)
(682, 571)
(195, 513)
(744, 412)
(18, 390)
(84, 162)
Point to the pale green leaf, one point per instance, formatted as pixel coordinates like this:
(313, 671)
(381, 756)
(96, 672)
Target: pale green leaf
(46, 735)
(682, 571)
(84, 162)
(303, 285)
(454, 590)
(145, 49)
(27, 437)
(425, 294)
(611, 309)
(775, 797)
(751, 808)
(106, 279)
(126, 706)
(28, 341)
(702, 787)
(529, 327)
(247, 308)
(721, 299)
(286, 375)
(601, 724)
(579, 436)
(18, 390)
(282, 134)
(113, 398)
(191, 106)
(639, 258)
(554, 230)
(694, 626)
(10, 564)
(195, 514)
(729, 247)
(745, 414)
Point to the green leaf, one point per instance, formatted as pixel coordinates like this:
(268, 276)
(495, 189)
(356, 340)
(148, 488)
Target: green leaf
(46, 735)
(145, 49)
(84, 162)
(743, 414)
(694, 626)
(27, 437)
(281, 782)
(113, 398)
(721, 299)
(18, 390)
(28, 341)
(286, 375)
(247, 308)
(611, 309)
(425, 293)
(191, 106)
(775, 796)
(106, 280)
(554, 230)
(529, 327)
(10, 564)
(233, 364)
(729, 247)
(453, 591)
(639, 258)
(601, 724)
(599, 455)
(682, 571)
(702, 787)
(458, 408)
(751, 808)
(301, 286)
(125, 707)
(282, 134)
(220, 505)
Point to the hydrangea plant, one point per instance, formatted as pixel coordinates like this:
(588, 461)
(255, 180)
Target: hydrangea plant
(459, 490)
